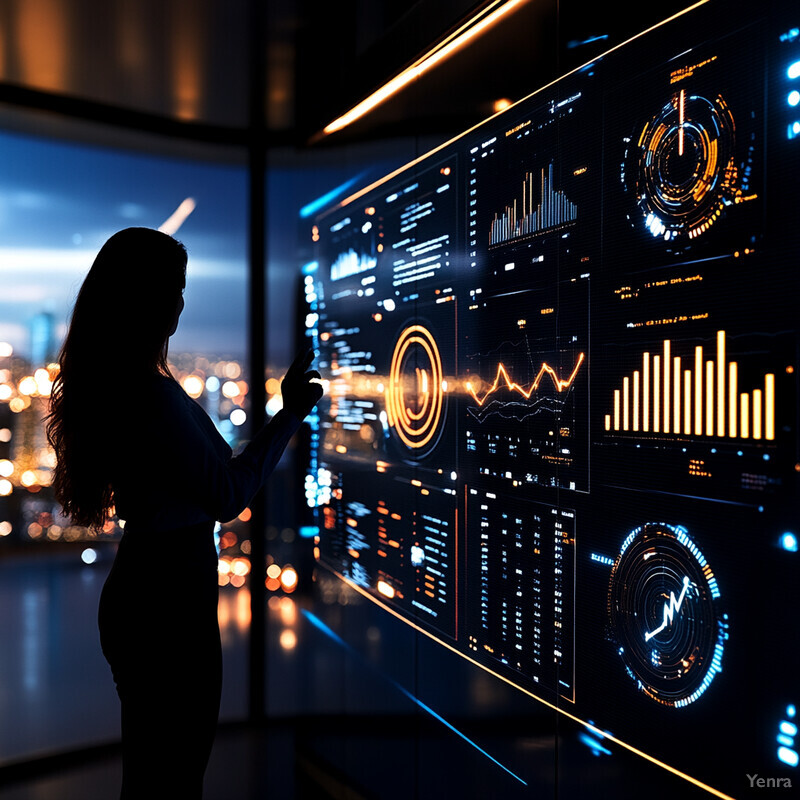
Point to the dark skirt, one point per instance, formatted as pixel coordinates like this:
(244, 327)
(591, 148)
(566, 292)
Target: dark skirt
(160, 635)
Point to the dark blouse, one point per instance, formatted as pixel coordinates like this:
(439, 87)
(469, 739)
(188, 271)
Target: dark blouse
(175, 469)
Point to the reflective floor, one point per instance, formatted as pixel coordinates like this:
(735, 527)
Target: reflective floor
(238, 769)
(59, 713)
(56, 690)
(341, 724)
(57, 695)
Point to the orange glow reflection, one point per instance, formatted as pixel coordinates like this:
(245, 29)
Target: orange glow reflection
(187, 59)
(43, 44)
(288, 611)
(233, 610)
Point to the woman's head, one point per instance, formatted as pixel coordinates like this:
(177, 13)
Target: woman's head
(125, 312)
(129, 301)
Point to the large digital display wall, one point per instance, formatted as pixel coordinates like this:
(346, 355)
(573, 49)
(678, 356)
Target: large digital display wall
(560, 432)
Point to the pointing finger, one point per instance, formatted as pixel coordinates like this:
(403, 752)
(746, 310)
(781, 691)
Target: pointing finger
(301, 360)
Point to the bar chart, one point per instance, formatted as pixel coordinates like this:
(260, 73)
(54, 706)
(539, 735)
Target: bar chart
(690, 394)
(553, 210)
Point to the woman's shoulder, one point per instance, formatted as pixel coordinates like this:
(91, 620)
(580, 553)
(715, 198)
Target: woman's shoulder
(163, 394)
(165, 382)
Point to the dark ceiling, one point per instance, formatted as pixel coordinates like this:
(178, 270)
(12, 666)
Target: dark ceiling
(187, 66)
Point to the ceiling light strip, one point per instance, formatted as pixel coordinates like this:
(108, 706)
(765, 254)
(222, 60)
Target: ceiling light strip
(472, 28)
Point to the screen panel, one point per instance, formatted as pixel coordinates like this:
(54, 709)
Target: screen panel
(560, 431)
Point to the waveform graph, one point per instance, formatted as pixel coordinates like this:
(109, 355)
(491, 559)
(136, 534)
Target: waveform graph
(523, 386)
(541, 208)
(680, 390)
(546, 393)
(665, 614)
(415, 390)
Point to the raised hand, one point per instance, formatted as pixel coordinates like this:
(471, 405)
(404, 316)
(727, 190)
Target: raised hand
(300, 386)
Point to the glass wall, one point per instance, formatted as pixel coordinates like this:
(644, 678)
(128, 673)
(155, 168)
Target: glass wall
(556, 470)
(298, 679)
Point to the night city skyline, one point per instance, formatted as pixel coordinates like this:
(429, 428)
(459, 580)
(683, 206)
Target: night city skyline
(59, 202)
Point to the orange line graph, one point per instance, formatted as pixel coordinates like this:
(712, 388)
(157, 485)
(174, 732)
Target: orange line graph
(503, 376)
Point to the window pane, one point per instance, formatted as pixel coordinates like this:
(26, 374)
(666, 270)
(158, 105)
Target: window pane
(59, 201)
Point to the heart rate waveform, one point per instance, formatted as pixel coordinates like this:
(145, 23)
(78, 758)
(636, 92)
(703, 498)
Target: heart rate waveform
(666, 397)
(414, 404)
(671, 607)
(520, 409)
(554, 210)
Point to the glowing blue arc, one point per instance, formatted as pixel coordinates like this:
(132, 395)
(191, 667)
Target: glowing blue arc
(320, 203)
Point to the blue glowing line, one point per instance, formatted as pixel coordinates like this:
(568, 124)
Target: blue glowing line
(458, 732)
(320, 625)
(315, 205)
(575, 43)
(308, 531)
(593, 744)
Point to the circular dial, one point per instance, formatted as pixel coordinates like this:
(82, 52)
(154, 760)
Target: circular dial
(682, 167)
(663, 608)
(415, 389)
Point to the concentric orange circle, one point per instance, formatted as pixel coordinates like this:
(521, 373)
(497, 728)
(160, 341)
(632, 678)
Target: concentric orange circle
(415, 414)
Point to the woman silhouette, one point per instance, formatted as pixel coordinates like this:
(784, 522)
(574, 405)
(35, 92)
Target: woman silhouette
(129, 440)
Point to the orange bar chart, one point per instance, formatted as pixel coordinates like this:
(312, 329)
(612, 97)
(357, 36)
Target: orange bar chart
(663, 396)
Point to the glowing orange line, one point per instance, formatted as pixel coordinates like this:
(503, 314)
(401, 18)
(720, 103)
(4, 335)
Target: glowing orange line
(559, 384)
(413, 162)
(558, 708)
(469, 31)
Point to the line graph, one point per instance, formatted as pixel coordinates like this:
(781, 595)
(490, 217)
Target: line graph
(502, 377)
(671, 607)
(523, 388)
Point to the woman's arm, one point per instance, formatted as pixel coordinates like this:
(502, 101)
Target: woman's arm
(206, 474)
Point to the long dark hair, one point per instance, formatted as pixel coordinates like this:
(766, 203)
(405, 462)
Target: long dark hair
(118, 335)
